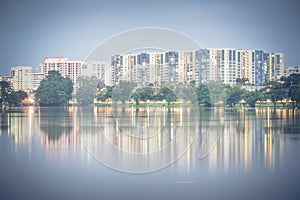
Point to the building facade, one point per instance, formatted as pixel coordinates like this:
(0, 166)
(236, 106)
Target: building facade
(36, 80)
(291, 70)
(94, 69)
(67, 68)
(21, 78)
(226, 65)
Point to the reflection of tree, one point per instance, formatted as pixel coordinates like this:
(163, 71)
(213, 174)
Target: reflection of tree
(55, 122)
(4, 122)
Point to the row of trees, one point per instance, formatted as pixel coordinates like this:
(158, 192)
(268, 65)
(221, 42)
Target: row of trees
(56, 90)
(10, 97)
(210, 94)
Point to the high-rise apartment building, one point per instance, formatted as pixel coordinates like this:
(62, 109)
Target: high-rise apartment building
(67, 68)
(36, 80)
(224, 64)
(94, 69)
(277, 65)
(203, 65)
(142, 68)
(156, 68)
(21, 78)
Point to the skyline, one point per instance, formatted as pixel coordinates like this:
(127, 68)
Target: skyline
(32, 30)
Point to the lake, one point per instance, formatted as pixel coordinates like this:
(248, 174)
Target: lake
(149, 153)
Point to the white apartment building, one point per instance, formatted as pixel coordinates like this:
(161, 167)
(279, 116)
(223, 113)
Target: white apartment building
(277, 65)
(21, 78)
(248, 65)
(5, 78)
(94, 68)
(36, 80)
(67, 68)
(291, 70)
(225, 65)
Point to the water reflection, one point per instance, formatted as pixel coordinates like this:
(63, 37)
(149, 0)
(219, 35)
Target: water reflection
(249, 138)
(57, 125)
(20, 125)
(138, 140)
(160, 135)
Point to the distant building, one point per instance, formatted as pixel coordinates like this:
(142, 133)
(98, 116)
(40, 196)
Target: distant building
(291, 70)
(36, 80)
(203, 65)
(255, 66)
(253, 87)
(94, 68)
(155, 68)
(21, 78)
(39, 68)
(67, 68)
(223, 65)
(277, 66)
(5, 78)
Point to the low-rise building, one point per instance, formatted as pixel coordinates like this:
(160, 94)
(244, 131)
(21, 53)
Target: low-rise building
(291, 70)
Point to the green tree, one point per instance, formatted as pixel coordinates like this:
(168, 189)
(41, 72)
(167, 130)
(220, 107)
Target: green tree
(291, 80)
(136, 97)
(203, 95)
(55, 90)
(275, 92)
(294, 93)
(5, 92)
(217, 92)
(105, 93)
(143, 94)
(291, 84)
(233, 95)
(251, 97)
(122, 91)
(86, 93)
(186, 92)
(165, 93)
(16, 97)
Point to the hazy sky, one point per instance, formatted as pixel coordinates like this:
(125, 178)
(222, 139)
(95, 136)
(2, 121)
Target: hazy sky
(34, 29)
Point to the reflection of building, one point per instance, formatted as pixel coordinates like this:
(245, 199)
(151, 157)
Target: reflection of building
(249, 138)
(64, 140)
(58, 126)
(21, 126)
(149, 138)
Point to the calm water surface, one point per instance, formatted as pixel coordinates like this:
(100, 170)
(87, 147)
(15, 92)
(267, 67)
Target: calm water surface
(150, 153)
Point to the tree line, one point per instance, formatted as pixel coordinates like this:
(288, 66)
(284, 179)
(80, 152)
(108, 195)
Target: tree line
(56, 90)
(287, 90)
(9, 97)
